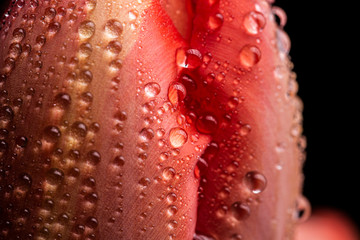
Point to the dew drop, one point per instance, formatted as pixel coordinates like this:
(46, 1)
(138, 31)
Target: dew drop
(86, 29)
(177, 137)
(62, 100)
(119, 161)
(15, 50)
(55, 176)
(255, 181)
(176, 93)
(144, 182)
(114, 47)
(85, 50)
(233, 102)
(172, 224)
(146, 134)
(90, 5)
(215, 21)
(245, 130)
(249, 56)
(18, 34)
(280, 13)
(254, 22)
(240, 211)
(133, 15)
(21, 141)
(113, 28)
(171, 198)
(152, 89)
(52, 133)
(189, 83)
(79, 129)
(85, 76)
(188, 58)
(207, 124)
(168, 173)
(172, 210)
(303, 209)
(93, 157)
(25, 180)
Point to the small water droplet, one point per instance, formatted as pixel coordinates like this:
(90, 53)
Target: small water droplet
(146, 134)
(93, 157)
(40, 41)
(171, 197)
(152, 89)
(133, 15)
(188, 58)
(21, 141)
(255, 181)
(62, 100)
(176, 93)
(119, 161)
(215, 21)
(249, 56)
(240, 211)
(113, 28)
(177, 137)
(52, 133)
(91, 4)
(303, 209)
(168, 173)
(114, 47)
(55, 176)
(144, 182)
(85, 50)
(18, 34)
(15, 50)
(254, 22)
(245, 130)
(172, 224)
(79, 129)
(233, 102)
(86, 29)
(207, 124)
(189, 83)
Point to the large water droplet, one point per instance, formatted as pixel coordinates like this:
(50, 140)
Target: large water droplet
(113, 28)
(85, 50)
(177, 137)
(86, 29)
(254, 22)
(93, 157)
(255, 181)
(62, 100)
(152, 89)
(249, 56)
(79, 129)
(114, 47)
(18, 34)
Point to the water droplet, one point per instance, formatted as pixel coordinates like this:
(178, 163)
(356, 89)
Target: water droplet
(79, 129)
(133, 15)
(40, 40)
(254, 22)
(303, 209)
(144, 182)
(280, 13)
(86, 29)
(85, 76)
(25, 180)
(85, 50)
(207, 124)
(93, 157)
(249, 56)
(189, 83)
(55, 176)
(177, 137)
(255, 181)
(168, 173)
(18, 34)
(62, 100)
(115, 65)
(21, 141)
(152, 89)
(215, 21)
(146, 134)
(121, 116)
(245, 130)
(172, 224)
(119, 161)
(52, 133)
(15, 50)
(236, 236)
(171, 197)
(188, 58)
(90, 5)
(113, 28)
(240, 211)
(233, 102)
(114, 47)
(176, 93)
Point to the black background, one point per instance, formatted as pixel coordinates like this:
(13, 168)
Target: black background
(323, 51)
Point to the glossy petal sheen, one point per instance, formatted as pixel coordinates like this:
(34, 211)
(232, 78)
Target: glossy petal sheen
(147, 120)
